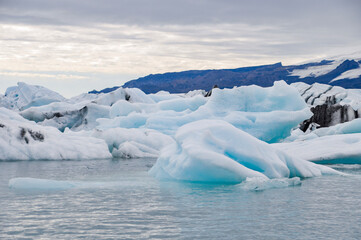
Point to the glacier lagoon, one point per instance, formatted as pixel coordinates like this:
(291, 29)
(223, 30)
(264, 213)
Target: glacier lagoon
(118, 199)
(72, 178)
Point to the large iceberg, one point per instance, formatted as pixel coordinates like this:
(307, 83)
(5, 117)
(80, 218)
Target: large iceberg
(266, 113)
(128, 123)
(215, 151)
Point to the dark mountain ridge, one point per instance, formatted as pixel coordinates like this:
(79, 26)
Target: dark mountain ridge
(264, 76)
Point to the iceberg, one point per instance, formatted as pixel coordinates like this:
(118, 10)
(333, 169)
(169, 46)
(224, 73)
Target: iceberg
(35, 184)
(21, 139)
(214, 151)
(353, 126)
(133, 143)
(328, 149)
(128, 123)
(266, 113)
(24, 96)
(318, 94)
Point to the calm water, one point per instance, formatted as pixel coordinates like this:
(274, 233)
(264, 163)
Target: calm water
(116, 199)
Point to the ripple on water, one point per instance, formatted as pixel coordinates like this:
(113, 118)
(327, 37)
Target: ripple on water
(120, 201)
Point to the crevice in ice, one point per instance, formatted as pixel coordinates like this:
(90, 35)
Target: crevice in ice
(314, 99)
(306, 90)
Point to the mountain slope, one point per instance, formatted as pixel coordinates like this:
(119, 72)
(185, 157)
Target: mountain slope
(338, 71)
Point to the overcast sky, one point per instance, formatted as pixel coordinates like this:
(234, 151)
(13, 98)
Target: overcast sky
(74, 46)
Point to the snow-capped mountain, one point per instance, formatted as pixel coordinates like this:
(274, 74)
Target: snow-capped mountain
(344, 71)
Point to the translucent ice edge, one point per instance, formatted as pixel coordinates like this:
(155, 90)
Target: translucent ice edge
(46, 185)
(260, 184)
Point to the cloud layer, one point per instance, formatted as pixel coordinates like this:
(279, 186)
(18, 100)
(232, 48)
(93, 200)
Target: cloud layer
(139, 37)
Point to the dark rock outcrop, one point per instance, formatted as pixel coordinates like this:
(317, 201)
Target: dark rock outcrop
(36, 136)
(328, 114)
(208, 94)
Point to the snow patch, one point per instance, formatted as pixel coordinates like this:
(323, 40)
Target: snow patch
(316, 71)
(350, 74)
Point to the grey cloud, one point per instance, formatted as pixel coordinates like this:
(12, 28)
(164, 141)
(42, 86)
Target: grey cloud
(148, 12)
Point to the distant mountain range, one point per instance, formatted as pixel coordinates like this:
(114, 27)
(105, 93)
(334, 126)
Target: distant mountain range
(337, 71)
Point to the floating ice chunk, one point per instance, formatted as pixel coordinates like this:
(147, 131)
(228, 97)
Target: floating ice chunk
(331, 149)
(39, 114)
(195, 93)
(132, 149)
(353, 126)
(36, 184)
(44, 185)
(260, 184)
(280, 97)
(24, 140)
(216, 151)
(134, 143)
(133, 120)
(137, 96)
(183, 104)
(266, 113)
(129, 94)
(318, 94)
(83, 98)
(123, 108)
(64, 115)
(163, 95)
(24, 96)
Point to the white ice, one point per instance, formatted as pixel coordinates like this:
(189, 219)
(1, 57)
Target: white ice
(317, 94)
(21, 139)
(266, 113)
(24, 96)
(345, 148)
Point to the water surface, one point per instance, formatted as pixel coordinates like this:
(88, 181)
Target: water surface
(116, 199)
